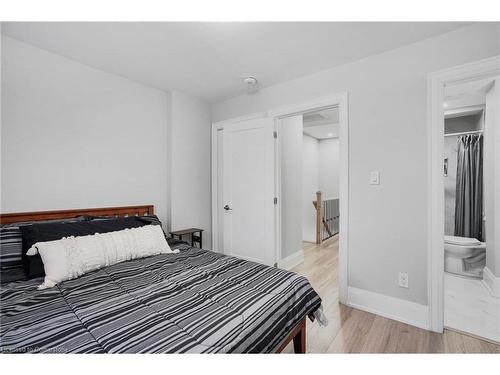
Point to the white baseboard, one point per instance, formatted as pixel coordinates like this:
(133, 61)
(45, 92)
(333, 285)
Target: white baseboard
(292, 260)
(491, 282)
(401, 310)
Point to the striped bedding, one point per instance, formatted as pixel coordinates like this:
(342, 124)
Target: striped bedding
(195, 301)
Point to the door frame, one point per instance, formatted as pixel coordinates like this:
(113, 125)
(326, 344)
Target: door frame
(436, 83)
(339, 100)
(335, 100)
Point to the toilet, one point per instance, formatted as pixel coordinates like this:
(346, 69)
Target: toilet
(464, 256)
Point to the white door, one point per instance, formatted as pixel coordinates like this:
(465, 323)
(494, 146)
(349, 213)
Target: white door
(291, 140)
(248, 190)
(491, 179)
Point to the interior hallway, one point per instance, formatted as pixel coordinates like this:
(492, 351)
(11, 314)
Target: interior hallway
(355, 331)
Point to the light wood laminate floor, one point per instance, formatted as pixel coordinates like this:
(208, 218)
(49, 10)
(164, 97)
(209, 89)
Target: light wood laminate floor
(355, 331)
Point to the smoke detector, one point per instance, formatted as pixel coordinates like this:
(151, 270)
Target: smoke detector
(251, 84)
(251, 81)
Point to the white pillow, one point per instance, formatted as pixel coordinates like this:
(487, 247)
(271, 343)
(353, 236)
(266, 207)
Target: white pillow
(71, 257)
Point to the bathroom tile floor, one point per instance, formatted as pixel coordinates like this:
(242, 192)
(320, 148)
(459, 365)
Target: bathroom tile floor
(470, 308)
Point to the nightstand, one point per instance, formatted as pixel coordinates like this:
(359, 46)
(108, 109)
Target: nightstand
(196, 235)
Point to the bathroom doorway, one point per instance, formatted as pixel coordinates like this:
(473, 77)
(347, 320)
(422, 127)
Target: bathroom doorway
(470, 306)
(464, 237)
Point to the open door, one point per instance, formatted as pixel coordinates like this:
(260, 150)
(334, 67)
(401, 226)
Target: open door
(248, 190)
(491, 167)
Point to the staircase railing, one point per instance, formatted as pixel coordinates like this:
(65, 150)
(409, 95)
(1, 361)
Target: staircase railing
(327, 217)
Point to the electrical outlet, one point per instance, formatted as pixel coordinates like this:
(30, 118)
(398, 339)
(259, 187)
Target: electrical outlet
(403, 280)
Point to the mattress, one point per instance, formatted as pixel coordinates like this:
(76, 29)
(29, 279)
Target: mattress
(195, 301)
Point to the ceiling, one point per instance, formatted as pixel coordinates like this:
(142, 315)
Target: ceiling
(208, 60)
(322, 124)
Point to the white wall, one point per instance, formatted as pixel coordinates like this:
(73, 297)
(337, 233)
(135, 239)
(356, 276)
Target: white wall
(310, 185)
(329, 158)
(75, 137)
(492, 178)
(290, 130)
(387, 132)
(190, 165)
(450, 184)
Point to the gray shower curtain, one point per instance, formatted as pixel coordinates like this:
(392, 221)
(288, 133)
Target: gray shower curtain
(469, 189)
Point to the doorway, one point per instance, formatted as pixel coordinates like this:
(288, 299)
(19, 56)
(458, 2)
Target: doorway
(464, 129)
(269, 236)
(309, 178)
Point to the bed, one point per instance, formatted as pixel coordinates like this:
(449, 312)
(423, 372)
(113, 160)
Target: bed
(194, 301)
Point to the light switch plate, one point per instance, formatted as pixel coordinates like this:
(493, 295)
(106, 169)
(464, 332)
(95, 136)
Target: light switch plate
(374, 178)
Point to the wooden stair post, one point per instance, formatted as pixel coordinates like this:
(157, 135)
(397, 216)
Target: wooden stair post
(318, 217)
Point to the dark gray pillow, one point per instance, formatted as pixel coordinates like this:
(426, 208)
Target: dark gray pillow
(150, 219)
(33, 265)
(12, 274)
(11, 245)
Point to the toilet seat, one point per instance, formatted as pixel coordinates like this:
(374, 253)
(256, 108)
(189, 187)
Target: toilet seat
(461, 241)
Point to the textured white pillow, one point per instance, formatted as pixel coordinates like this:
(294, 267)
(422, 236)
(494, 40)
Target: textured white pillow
(71, 257)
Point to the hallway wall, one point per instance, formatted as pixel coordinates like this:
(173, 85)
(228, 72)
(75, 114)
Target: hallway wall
(450, 184)
(310, 185)
(329, 158)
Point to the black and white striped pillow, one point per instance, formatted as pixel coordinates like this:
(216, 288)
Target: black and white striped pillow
(11, 242)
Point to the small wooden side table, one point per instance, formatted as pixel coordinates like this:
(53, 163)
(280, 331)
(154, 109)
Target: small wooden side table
(196, 235)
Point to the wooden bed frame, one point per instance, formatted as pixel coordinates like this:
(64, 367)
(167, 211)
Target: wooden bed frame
(68, 214)
(298, 334)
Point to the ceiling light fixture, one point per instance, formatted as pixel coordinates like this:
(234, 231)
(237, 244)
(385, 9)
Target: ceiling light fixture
(330, 134)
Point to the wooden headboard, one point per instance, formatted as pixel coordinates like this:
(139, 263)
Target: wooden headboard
(67, 214)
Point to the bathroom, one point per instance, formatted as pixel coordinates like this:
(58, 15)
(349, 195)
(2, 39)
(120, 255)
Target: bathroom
(470, 167)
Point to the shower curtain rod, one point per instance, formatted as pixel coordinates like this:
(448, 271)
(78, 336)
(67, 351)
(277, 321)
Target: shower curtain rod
(463, 133)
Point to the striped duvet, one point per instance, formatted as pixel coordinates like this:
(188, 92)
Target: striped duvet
(195, 301)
